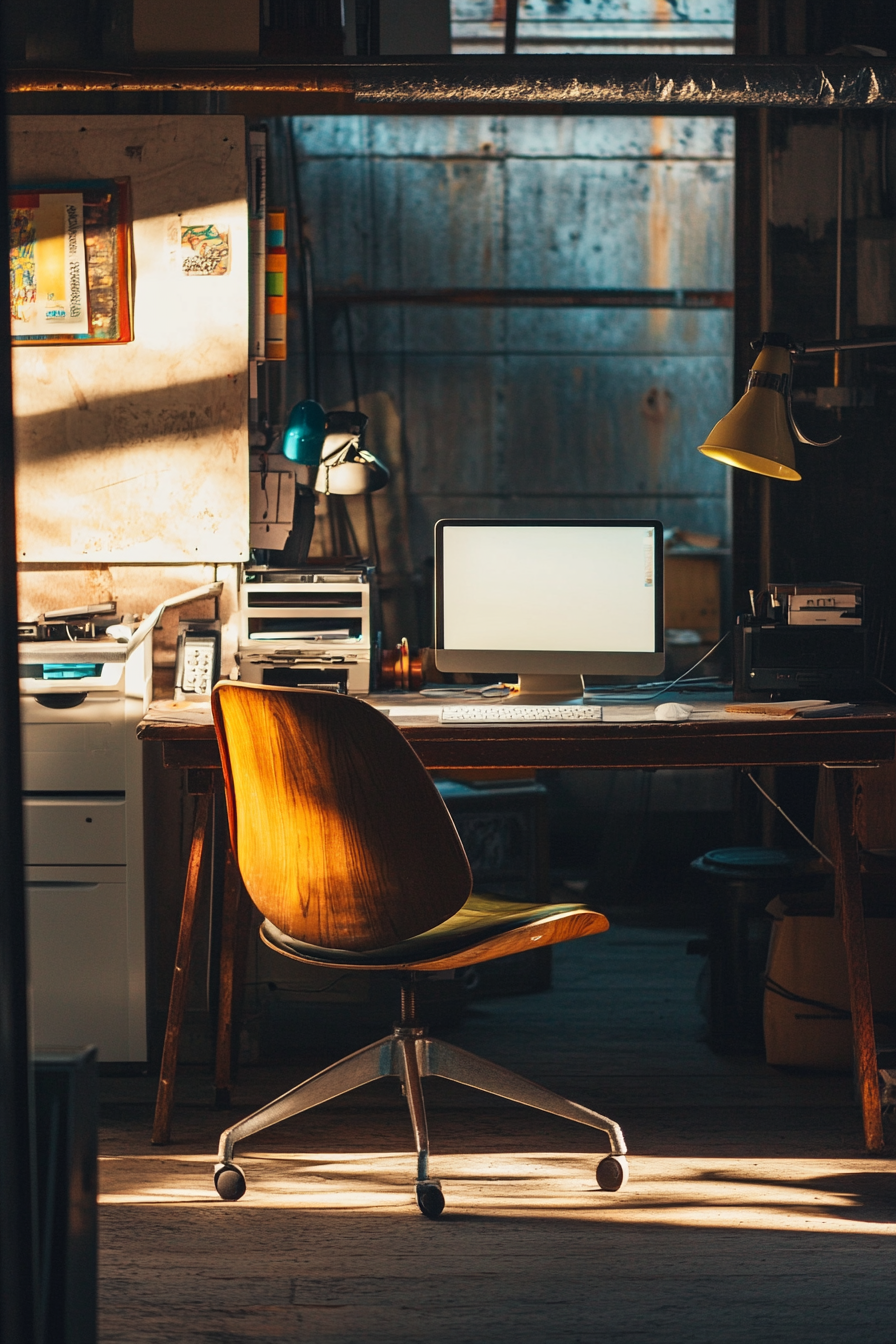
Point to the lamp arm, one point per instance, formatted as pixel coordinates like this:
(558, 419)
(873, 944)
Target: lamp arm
(814, 347)
(817, 348)
(782, 382)
(798, 433)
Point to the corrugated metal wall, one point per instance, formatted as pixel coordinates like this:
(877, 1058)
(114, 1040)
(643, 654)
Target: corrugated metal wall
(596, 25)
(520, 412)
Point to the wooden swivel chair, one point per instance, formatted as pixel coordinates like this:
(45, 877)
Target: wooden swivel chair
(348, 851)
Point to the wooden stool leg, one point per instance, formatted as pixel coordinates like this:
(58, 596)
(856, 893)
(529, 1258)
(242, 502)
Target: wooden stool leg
(848, 888)
(245, 919)
(229, 920)
(161, 1128)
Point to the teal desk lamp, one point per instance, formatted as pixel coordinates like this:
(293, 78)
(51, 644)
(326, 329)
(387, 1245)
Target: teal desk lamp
(306, 429)
(332, 445)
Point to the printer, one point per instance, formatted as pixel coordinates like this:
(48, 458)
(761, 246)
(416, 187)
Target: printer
(802, 640)
(315, 625)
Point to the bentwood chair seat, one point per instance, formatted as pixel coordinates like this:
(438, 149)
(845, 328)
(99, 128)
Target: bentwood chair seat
(347, 849)
(483, 928)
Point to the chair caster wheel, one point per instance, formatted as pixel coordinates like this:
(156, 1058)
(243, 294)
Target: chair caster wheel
(612, 1173)
(230, 1182)
(430, 1199)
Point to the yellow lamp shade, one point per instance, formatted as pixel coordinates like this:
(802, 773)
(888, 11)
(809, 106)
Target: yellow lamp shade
(755, 434)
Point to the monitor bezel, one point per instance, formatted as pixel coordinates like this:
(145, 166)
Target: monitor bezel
(635, 663)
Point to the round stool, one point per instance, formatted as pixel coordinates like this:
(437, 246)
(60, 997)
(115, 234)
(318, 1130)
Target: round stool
(744, 880)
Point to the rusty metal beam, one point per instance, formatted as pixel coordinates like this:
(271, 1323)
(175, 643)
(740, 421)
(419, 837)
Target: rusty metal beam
(176, 79)
(711, 84)
(672, 81)
(535, 298)
(707, 82)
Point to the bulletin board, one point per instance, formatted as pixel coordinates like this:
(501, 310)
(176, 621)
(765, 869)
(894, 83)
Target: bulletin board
(136, 451)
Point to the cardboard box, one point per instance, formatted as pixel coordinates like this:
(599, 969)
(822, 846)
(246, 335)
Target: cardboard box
(807, 960)
(693, 594)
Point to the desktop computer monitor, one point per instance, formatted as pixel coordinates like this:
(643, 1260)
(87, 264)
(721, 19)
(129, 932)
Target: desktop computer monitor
(552, 601)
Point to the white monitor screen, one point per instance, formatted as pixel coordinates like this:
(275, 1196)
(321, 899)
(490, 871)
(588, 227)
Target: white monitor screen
(588, 587)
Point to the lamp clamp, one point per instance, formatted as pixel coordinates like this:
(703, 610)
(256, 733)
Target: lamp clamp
(776, 382)
(778, 338)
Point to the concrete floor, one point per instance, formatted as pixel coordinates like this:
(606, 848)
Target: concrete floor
(752, 1212)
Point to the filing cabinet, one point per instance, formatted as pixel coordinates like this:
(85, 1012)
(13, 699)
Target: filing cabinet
(82, 770)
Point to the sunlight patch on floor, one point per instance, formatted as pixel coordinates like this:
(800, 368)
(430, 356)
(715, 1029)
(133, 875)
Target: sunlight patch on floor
(853, 1195)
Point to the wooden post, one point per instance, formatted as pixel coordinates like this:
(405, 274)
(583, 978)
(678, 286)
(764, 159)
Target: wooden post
(848, 890)
(511, 15)
(161, 1129)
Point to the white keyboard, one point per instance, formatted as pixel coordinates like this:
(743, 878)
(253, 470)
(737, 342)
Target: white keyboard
(521, 714)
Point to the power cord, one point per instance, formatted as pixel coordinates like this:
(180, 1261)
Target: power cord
(502, 688)
(789, 820)
(497, 690)
(664, 686)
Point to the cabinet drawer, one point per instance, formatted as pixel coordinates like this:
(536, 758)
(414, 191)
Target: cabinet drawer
(75, 830)
(78, 951)
(82, 747)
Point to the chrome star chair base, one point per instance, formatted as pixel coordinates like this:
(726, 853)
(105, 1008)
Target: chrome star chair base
(411, 1055)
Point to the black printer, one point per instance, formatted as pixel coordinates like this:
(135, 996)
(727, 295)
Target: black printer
(802, 641)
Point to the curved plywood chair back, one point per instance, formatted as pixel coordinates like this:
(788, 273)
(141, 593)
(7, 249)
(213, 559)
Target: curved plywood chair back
(341, 837)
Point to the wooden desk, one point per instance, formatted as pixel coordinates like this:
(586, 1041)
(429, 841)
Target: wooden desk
(846, 745)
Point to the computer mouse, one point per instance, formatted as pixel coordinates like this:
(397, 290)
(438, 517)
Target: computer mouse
(672, 712)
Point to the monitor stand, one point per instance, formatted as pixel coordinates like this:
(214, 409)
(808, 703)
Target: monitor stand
(535, 689)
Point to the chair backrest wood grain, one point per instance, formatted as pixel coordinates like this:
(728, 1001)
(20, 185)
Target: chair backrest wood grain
(341, 837)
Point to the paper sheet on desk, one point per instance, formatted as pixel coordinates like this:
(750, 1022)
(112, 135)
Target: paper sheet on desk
(170, 711)
(646, 713)
(413, 713)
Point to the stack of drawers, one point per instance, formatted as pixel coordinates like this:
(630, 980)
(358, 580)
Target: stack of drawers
(83, 811)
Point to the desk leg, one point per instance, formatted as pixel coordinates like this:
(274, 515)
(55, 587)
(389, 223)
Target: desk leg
(161, 1128)
(229, 922)
(848, 888)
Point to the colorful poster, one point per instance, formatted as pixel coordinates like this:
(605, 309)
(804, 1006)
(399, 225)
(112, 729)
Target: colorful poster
(47, 265)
